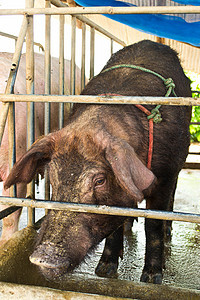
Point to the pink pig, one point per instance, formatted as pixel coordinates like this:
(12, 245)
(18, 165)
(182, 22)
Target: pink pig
(10, 223)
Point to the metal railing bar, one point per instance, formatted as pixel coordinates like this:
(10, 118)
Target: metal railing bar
(198, 92)
(194, 153)
(87, 21)
(12, 143)
(47, 110)
(92, 46)
(100, 30)
(83, 56)
(103, 209)
(61, 70)
(73, 57)
(31, 105)
(192, 166)
(111, 46)
(189, 9)
(101, 99)
(59, 3)
(11, 36)
(6, 212)
(14, 37)
(47, 67)
(9, 210)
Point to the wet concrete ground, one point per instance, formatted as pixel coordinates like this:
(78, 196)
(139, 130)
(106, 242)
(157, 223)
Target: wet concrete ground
(182, 253)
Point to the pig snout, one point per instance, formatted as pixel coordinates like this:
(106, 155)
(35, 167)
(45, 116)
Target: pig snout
(51, 266)
(51, 263)
(61, 250)
(44, 257)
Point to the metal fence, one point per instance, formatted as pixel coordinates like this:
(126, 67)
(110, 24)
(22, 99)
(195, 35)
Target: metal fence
(9, 99)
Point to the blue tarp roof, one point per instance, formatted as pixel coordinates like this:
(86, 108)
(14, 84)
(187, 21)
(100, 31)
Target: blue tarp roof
(181, 27)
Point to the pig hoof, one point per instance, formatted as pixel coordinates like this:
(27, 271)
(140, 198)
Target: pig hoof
(105, 269)
(151, 278)
(157, 278)
(145, 277)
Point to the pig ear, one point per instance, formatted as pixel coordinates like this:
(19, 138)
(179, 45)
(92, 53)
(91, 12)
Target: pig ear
(131, 173)
(32, 161)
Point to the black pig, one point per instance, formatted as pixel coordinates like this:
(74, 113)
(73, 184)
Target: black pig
(100, 157)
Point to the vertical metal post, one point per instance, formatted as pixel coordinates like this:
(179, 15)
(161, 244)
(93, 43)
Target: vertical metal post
(30, 105)
(111, 46)
(73, 55)
(83, 56)
(61, 71)
(92, 38)
(47, 115)
(12, 143)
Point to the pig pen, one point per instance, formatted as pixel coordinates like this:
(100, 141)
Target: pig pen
(20, 279)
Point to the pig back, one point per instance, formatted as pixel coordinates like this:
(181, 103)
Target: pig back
(171, 136)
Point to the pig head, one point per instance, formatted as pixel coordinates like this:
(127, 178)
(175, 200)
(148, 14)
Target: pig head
(85, 166)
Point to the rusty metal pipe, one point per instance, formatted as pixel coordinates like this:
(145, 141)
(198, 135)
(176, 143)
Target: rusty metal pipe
(73, 57)
(189, 9)
(47, 115)
(103, 209)
(83, 56)
(12, 143)
(61, 71)
(30, 105)
(92, 45)
(102, 99)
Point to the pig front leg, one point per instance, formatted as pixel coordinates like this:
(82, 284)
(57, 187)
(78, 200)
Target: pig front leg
(152, 271)
(156, 231)
(168, 223)
(108, 263)
(10, 223)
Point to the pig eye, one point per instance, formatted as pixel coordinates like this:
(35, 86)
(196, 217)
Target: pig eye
(99, 181)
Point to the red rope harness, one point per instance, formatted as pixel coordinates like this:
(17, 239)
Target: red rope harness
(150, 152)
(148, 113)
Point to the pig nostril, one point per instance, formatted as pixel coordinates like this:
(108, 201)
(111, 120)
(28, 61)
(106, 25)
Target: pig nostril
(45, 263)
(36, 261)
